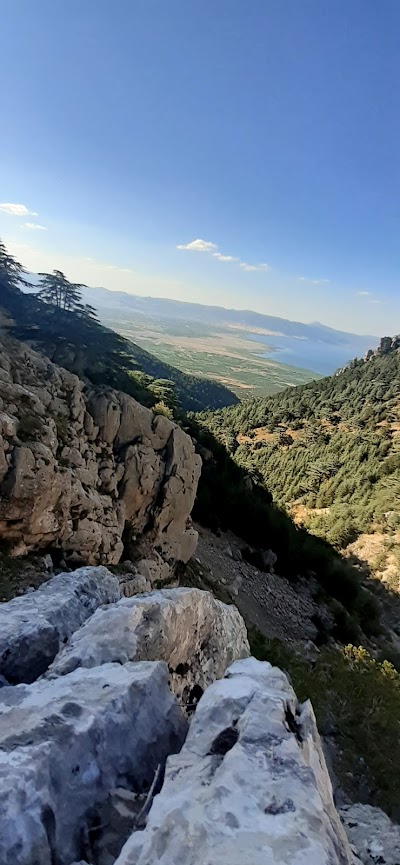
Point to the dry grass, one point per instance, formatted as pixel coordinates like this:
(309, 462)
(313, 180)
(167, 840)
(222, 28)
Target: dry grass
(263, 434)
(381, 554)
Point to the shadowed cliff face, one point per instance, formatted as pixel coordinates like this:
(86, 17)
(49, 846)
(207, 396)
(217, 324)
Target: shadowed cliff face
(79, 466)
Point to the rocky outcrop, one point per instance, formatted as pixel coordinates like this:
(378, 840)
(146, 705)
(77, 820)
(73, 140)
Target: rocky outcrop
(66, 743)
(195, 634)
(386, 345)
(34, 627)
(79, 465)
(249, 786)
(84, 748)
(374, 839)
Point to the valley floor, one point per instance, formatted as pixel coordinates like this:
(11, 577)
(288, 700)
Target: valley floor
(227, 355)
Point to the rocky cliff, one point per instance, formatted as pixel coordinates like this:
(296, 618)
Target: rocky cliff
(153, 737)
(80, 466)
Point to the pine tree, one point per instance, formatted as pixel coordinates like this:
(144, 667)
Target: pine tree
(12, 273)
(64, 295)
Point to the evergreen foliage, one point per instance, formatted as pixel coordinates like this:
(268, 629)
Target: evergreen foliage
(230, 497)
(62, 294)
(12, 273)
(332, 446)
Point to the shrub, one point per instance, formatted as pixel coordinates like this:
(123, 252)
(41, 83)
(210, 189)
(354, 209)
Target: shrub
(161, 408)
(368, 614)
(228, 498)
(61, 423)
(29, 427)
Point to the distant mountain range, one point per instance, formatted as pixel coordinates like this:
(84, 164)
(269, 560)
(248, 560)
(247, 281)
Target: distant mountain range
(312, 346)
(178, 309)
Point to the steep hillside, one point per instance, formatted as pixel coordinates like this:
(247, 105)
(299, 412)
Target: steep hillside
(86, 351)
(80, 343)
(329, 450)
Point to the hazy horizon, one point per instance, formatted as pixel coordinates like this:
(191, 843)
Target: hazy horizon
(225, 307)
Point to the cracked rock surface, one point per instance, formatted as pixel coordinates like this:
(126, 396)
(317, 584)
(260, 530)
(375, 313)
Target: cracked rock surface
(250, 785)
(196, 635)
(34, 627)
(79, 464)
(374, 839)
(66, 743)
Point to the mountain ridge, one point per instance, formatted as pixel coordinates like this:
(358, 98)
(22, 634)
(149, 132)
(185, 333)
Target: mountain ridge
(114, 299)
(251, 353)
(201, 309)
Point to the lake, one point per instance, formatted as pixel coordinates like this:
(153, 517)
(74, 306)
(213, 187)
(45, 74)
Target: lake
(321, 357)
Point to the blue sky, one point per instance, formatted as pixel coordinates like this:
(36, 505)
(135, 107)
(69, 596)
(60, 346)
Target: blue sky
(266, 130)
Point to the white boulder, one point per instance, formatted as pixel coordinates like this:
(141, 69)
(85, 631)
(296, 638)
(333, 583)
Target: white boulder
(34, 626)
(195, 634)
(250, 785)
(372, 835)
(66, 743)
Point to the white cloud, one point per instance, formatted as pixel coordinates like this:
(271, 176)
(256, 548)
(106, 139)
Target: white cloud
(222, 257)
(368, 294)
(206, 246)
(34, 226)
(198, 246)
(16, 209)
(313, 281)
(251, 268)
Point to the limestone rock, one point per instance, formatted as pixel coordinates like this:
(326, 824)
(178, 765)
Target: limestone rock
(153, 570)
(34, 626)
(195, 634)
(78, 465)
(65, 744)
(250, 785)
(175, 537)
(131, 585)
(372, 835)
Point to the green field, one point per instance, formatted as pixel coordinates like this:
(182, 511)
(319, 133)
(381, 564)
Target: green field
(223, 353)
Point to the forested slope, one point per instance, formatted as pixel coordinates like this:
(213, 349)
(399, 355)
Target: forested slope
(57, 321)
(329, 450)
